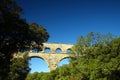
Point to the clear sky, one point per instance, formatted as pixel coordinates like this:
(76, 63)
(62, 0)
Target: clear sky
(66, 20)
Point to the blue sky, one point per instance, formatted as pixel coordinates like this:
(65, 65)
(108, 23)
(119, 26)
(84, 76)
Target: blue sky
(66, 20)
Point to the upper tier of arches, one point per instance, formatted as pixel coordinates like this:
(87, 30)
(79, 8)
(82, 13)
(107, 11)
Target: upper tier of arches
(54, 48)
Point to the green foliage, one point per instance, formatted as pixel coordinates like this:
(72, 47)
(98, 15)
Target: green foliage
(16, 35)
(94, 38)
(110, 60)
(19, 68)
(93, 59)
(98, 61)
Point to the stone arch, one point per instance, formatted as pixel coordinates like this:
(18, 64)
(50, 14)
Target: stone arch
(36, 57)
(24, 50)
(39, 63)
(64, 58)
(47, 50)
(68, 50)
(67, 57)
(53, 58)
(58, 50)
(35, 50)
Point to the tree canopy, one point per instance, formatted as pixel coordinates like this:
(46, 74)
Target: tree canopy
(95, 58)
(15, 35)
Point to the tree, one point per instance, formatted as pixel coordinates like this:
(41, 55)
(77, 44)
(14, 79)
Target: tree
(108, 60)
(19, 68)
(99, 58)
(95, 58)
(16, 35)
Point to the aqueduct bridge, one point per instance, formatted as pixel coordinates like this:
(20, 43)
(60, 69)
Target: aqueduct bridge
(52, 53)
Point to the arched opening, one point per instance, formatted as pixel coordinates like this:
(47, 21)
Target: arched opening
(35, 50)
(64, 61)
(23, 50)
(58, 50)
(38, 65)
(68, 50)
(47, 50)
